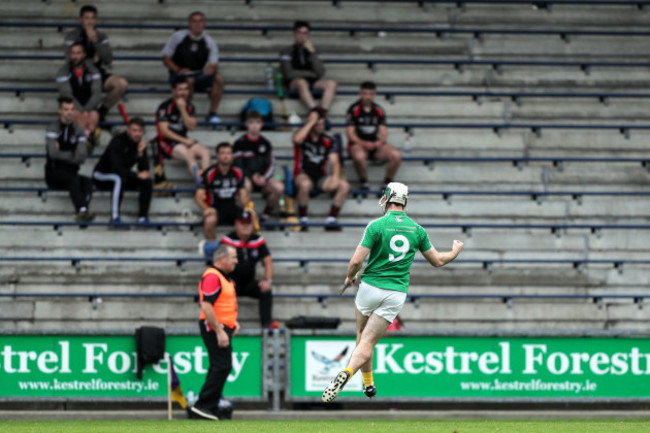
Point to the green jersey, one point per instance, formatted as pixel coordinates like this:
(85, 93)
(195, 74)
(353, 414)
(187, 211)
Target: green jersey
(393, 241)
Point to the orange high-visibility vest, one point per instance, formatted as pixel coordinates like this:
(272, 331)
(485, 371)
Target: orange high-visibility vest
(225, 308)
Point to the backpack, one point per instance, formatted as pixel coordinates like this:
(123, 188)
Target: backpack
(260, 105)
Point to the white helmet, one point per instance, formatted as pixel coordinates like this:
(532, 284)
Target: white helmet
(395, 192)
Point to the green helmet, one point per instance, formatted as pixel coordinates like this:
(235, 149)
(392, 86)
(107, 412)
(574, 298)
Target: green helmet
(395, 192)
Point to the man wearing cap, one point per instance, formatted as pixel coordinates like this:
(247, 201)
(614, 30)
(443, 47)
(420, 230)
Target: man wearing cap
(251, 249)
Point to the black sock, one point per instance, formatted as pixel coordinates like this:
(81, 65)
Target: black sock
(334, 211)
(302, 211)
(268, 209)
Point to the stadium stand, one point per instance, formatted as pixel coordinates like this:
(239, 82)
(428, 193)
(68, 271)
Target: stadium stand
(528, 135)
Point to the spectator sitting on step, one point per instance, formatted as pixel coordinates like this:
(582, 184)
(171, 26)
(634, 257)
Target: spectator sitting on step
(251, 249)
(193, 54)
(367, 134)
(80, 80)
(113, 171)
(314, 152)
(253, 155)
(174, 118)
(99, 51)
(222, 185)
(66, 151)
(303, 69)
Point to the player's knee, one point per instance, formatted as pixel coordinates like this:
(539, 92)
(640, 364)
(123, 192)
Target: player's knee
(123, 84)
(396, 156)
(344, 186)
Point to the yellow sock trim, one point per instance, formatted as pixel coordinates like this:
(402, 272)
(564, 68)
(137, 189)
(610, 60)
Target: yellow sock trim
(349, 370)
(367, 378)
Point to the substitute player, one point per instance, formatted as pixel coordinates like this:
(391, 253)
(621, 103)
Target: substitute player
(391, 242)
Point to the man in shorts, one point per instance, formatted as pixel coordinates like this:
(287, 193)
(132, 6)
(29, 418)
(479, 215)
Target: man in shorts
(313, 153)
(391, 242)
(98, 49)
(253, 154)
(303, 69)
(367, 133)
(191, 53)
(174, 118)
(221, 186)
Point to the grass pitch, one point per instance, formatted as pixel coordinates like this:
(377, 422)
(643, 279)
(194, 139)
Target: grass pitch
(333, 425)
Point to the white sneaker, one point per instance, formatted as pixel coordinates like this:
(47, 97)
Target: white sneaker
(335, 386)
(203, 413)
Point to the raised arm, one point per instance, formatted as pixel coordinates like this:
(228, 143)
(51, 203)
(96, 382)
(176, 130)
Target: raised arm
(301, 135)
(438, 259)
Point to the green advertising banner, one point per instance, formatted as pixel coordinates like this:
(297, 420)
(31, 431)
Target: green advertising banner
(105, 366)
(479, 367)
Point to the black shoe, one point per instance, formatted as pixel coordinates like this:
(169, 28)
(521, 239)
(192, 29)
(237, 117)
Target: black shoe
(333, 227)
(204, 413)
(370, 391)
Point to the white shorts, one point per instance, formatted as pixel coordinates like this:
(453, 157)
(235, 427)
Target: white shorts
(382, 302)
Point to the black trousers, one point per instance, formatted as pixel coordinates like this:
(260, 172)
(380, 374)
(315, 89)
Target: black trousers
(219, 369)
(80, 187)
(117, 184)
(252, 290)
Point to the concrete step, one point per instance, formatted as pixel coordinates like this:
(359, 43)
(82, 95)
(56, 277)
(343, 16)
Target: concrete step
(493, 314)
(276, 11)
(497, 110)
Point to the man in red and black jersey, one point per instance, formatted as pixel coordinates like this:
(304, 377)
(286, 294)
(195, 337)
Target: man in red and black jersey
(221, 186)
(367, 133)
(174, 118)
(314, 154)
(253, 155)
(80, 80)
(251, 249)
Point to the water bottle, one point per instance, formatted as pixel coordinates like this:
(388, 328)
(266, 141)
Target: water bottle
(407, 143)
(268, 75)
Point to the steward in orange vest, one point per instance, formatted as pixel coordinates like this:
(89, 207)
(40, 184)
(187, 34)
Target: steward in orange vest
(217, 323)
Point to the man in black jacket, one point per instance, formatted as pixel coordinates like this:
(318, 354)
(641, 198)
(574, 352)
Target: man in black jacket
(113, 171)
(303, 69)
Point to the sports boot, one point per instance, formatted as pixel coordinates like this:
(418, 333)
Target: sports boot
(335, 386)
(370, 391)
